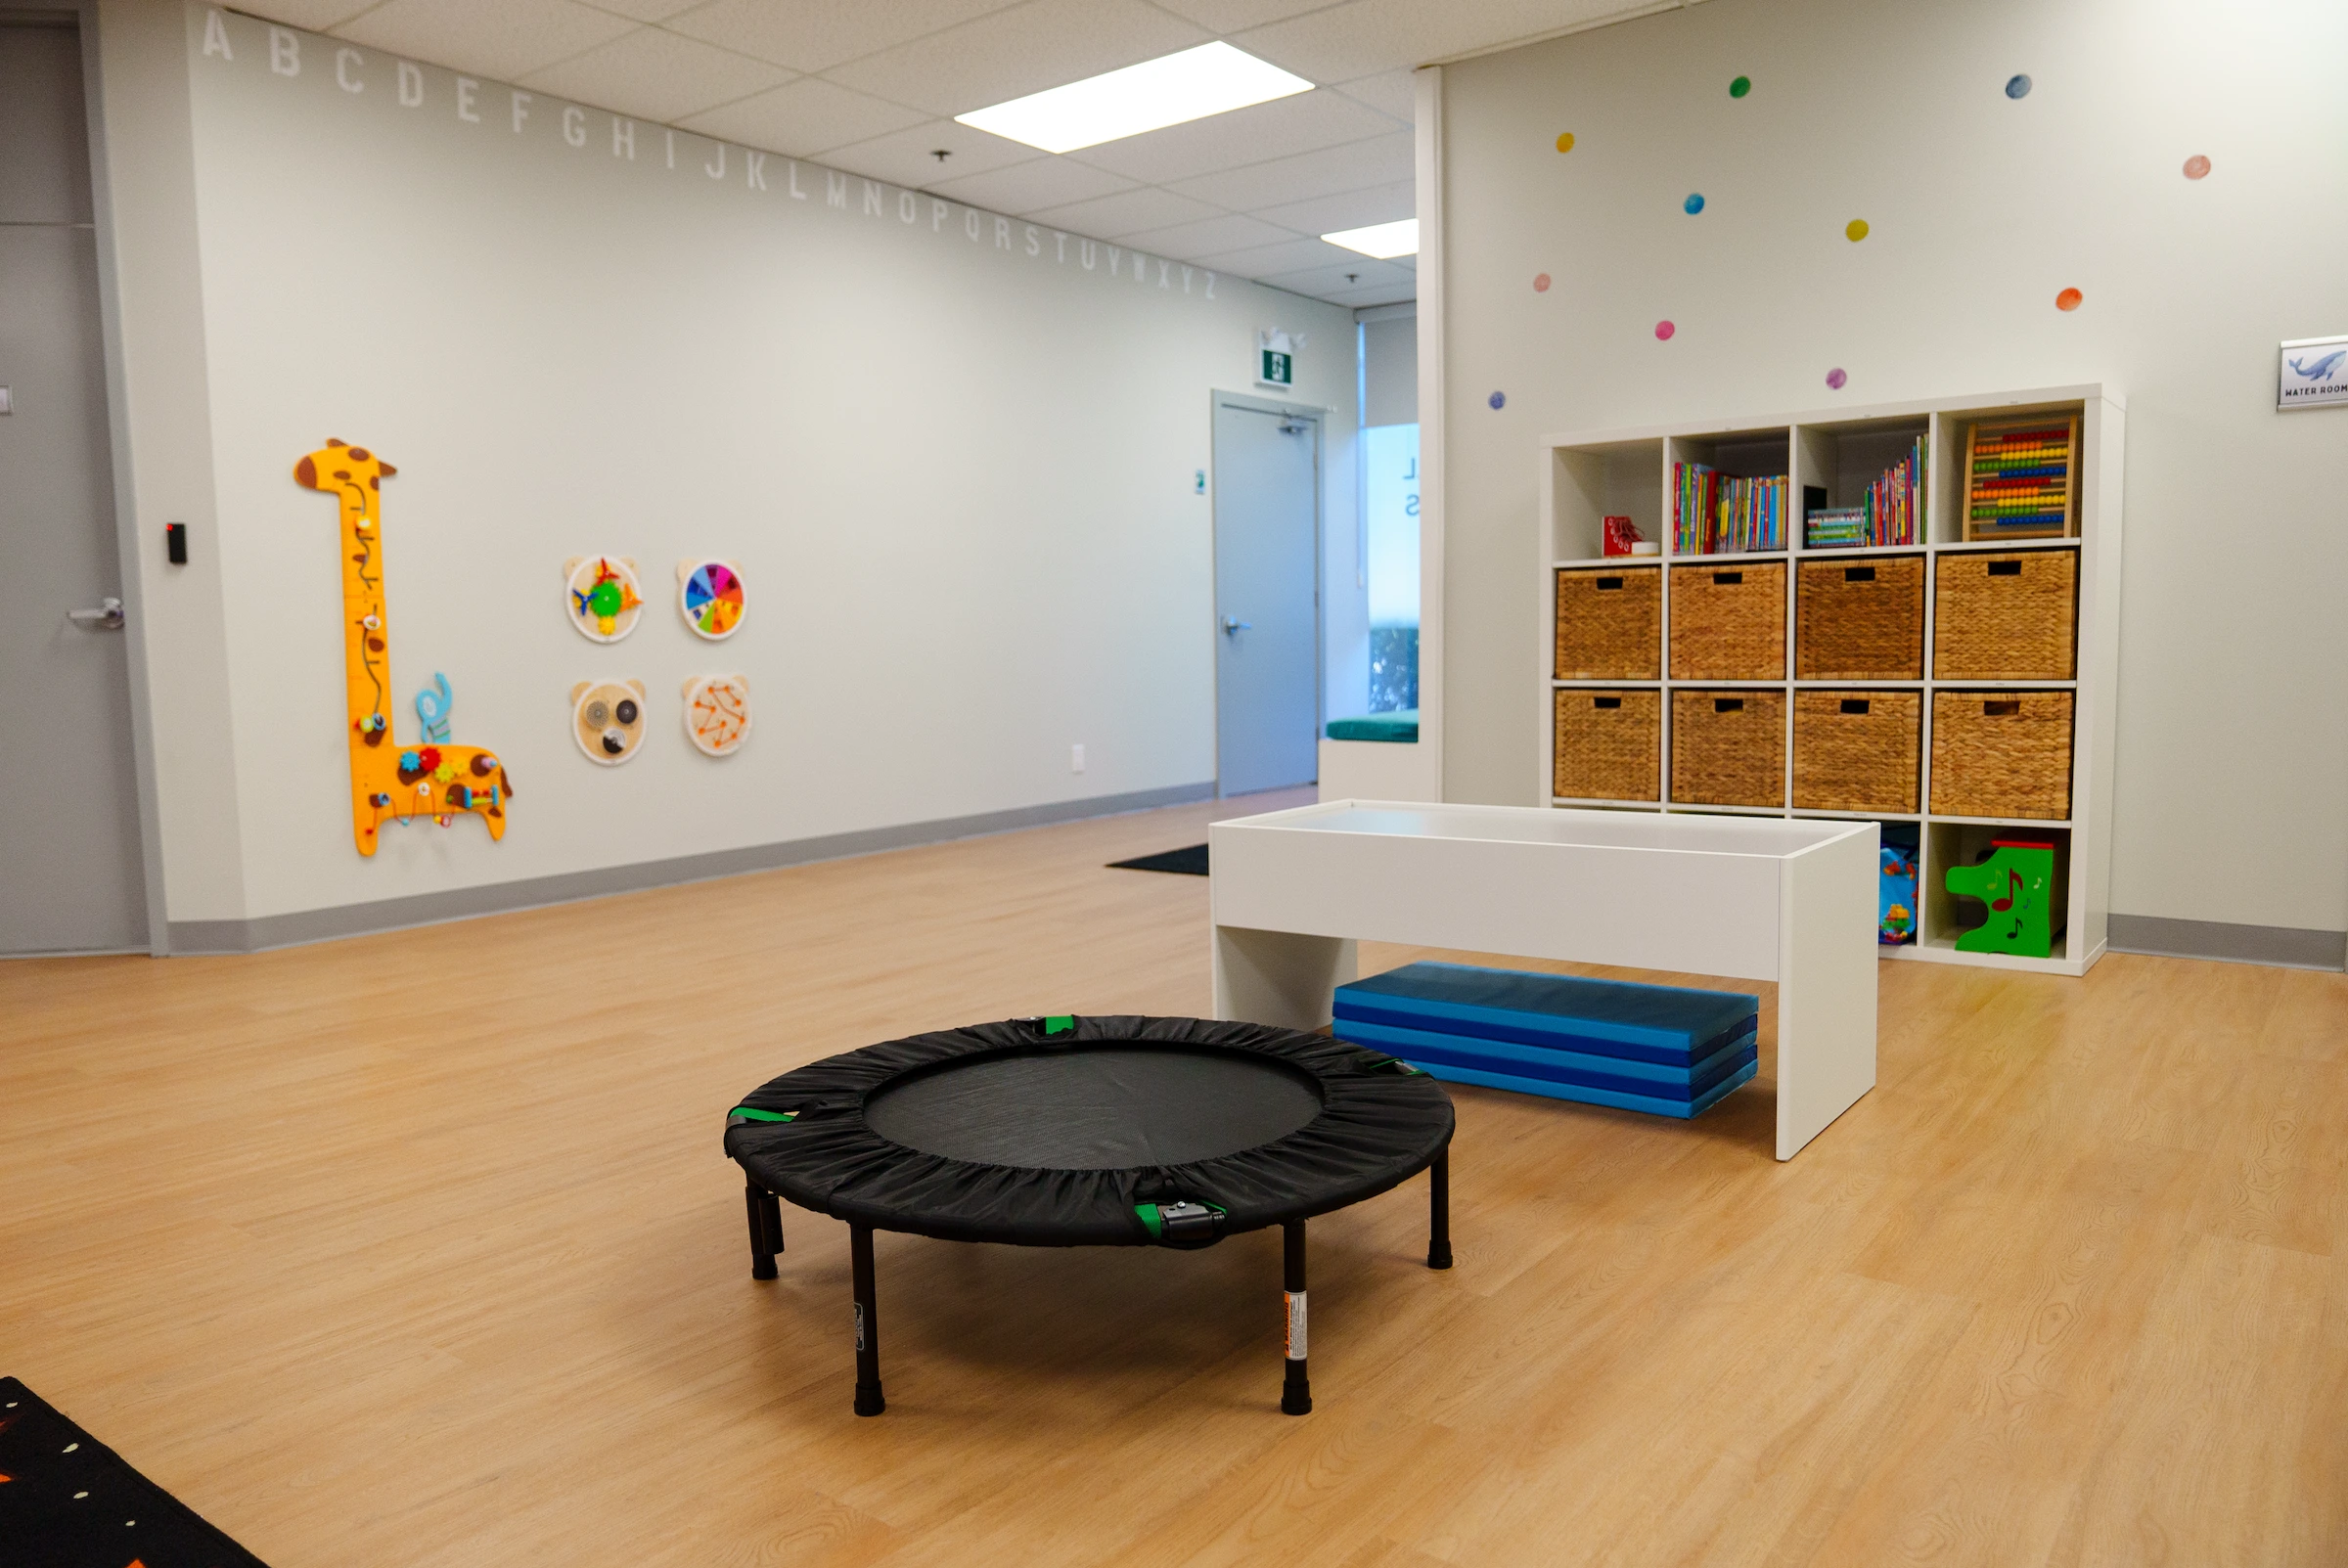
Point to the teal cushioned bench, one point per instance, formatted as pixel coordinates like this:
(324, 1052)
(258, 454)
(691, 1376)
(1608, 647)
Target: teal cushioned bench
(1400, 725)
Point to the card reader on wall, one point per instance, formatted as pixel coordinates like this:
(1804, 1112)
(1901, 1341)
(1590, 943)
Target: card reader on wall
(175, 542)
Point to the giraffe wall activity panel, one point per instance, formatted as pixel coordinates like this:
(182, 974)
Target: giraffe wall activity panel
(390, 782)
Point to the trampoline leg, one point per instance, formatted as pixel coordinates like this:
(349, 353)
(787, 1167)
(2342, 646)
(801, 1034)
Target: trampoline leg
(868, 1323)
(1438, 1212)
(1295, 1391)
(766, 1232)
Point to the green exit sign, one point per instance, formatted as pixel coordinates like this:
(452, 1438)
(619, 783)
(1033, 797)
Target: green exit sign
(1275, 359)
(1278, 369)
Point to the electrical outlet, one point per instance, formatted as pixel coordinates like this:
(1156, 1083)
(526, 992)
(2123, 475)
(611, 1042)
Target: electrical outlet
(1076, 758)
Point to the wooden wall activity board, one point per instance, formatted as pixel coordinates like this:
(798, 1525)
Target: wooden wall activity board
(603, 596)
(607, 719)
(388, 783)
(717, 713)
(710, 595)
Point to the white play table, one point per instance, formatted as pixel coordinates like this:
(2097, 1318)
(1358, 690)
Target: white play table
(1750, 898)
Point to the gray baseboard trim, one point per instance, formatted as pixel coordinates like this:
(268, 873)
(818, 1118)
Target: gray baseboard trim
(498, 898)
(2280, 946)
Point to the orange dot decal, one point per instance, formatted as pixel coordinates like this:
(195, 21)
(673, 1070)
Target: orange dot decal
(2069, 299)
(1565, 142)
(2196, 166)
(1541, 283)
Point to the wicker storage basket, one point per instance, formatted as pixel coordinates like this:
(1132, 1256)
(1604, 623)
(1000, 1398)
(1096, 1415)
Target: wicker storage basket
(1728, 749)
(2012, 615)
(1857, 750)
(1609, 744)
(1728, 623)
(1860, 620)
(1609, 623)
(2002, 755)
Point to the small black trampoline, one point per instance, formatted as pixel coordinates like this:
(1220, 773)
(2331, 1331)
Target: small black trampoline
(1067, 1132)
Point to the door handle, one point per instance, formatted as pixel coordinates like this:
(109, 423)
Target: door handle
(106, 617)
(1232, 628)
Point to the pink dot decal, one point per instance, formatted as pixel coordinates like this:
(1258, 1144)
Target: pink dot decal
(1663, 331)
(1541, 283)
(2069, 299)
(2196, 166)
(1837, 378)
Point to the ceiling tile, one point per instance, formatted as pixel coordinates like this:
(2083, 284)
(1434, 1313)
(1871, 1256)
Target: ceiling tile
(1380, 203)
(817, 34)
(903, 158)
(656, 76)
(644, 10)
(1364, 37)
(1389, 92)
(803, 117)
(1289, 255)
(1278, 129)
(1374, 294)
(1030, 187)
(1009, 54)
(1231, 16)
(1361, 273)
(1112, 217)
(1348, 166)
(316, 15)
(507, 40)
(1205, 237)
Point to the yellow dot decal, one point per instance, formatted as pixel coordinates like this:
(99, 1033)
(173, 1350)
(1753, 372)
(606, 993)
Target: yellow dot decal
(1565, 142)
(1855, 230)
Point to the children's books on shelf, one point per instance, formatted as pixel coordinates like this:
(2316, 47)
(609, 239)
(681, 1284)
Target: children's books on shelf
(1891, 514)
(1720, 513)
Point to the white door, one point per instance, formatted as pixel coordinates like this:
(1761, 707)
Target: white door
(71, 878)
(1266, 598)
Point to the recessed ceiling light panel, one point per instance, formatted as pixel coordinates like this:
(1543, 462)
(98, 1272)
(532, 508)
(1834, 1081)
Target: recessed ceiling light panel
(1211, 80)
(1384, 241)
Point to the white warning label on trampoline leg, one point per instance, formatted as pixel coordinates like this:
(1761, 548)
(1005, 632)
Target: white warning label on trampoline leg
(1296, 1325)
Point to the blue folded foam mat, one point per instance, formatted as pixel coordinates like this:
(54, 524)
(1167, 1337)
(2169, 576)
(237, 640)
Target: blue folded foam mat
(1666, 1049)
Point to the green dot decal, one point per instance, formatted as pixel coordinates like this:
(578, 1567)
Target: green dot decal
(1741, 86)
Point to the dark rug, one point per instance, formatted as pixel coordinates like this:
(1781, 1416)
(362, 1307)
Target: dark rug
(67, 1500)
(1189, 862)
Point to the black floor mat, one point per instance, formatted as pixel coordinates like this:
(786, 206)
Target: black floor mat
(1187, 861)
(67, 1500)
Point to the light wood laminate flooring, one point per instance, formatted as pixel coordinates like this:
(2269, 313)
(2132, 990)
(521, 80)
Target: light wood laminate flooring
(421, 1249)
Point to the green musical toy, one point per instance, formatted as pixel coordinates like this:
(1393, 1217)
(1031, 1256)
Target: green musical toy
(2018, 883)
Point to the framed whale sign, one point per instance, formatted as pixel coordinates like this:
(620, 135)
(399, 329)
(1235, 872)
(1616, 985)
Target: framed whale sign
(2311, 372)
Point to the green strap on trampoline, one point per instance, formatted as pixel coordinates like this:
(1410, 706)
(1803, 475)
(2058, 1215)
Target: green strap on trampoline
(1060, 1023)
(750, 1114)
(1154, 1223)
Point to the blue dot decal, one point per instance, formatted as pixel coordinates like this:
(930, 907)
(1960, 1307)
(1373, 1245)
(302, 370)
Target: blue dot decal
(1693, 204)
(1498, 399)
(2017, 86)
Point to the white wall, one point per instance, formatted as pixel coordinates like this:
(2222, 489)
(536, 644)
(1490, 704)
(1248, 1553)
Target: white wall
(957, 473)
(2232, 741)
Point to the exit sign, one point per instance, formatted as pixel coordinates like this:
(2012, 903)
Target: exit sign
(1275, 359)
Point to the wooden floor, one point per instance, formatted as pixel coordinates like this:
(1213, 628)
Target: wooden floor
(421, 1248)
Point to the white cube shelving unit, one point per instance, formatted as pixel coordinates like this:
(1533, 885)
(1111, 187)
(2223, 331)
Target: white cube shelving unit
(1588, 475)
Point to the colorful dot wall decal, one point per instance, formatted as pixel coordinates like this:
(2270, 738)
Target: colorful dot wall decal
(2068, 300)
(2017, 86)
(1855, 230)
(1565, 142)
(1693, 204)
(1498, 399)
(1541, 283)
(1837, 378)
(2196, 166)
(1741, 86)
(1663, 331)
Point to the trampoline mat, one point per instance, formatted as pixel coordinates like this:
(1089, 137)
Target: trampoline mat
(1099, 1109)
